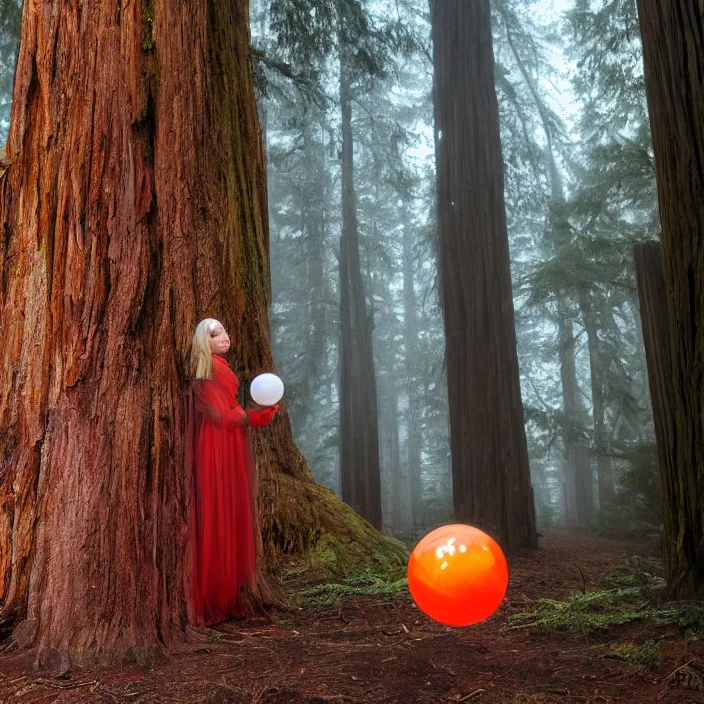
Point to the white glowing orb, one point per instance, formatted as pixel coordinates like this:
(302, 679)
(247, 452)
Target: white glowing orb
(266, 389)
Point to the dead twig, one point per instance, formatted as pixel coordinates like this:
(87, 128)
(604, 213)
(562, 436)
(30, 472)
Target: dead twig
(257, 696)
(108, 694)
(469, 696)
(403, 629)
(46, 683)
(370, 690)
(681, 667)
(584, 581)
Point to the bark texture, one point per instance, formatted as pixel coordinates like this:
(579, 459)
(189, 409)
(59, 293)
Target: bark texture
(133, 204)
(652, 295)
(360, 474)
(673, 47)
(491, 480)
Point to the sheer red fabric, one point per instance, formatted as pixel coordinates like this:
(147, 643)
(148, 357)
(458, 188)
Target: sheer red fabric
(223, 516)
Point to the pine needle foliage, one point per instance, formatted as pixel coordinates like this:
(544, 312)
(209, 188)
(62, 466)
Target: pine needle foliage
(634, 593)
(363, 584)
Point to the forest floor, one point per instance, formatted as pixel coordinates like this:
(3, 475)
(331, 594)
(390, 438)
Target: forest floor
(381, 649)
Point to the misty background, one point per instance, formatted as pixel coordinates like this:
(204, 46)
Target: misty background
(580, 192)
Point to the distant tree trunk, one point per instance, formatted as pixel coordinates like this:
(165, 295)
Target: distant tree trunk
(359, 434)
(414, 403)
(491, 479)
(578, 502)
(573, 454)
(673, 47)
(652, 294)
(385, 441)
(315, 314)
(401, 522)
(578, 494)
(604, 468)
(133, 205)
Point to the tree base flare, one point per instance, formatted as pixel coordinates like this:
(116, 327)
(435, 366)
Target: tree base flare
(310, 529)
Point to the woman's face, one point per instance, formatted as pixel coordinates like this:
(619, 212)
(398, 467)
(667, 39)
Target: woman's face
(218, 340)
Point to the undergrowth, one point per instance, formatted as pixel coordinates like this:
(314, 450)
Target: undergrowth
(363, 583)
(647, 654)
(635, 593)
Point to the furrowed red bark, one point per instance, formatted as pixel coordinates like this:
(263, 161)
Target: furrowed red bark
(134, 203)
(132, 192)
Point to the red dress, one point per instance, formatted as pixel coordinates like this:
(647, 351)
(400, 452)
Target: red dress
(225, 559)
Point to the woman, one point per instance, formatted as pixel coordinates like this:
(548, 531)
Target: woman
(225, 561)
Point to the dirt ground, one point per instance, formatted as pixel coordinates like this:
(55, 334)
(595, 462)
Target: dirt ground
(383, 650)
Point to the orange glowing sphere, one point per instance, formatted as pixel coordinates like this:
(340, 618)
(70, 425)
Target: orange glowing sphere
(457, 575)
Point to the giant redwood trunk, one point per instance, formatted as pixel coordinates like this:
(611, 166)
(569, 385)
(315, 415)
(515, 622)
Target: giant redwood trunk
(652, 296)
(133, 204)
(360, 475)
(673, 47)
(491, 480)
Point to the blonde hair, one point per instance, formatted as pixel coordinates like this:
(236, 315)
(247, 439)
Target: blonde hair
(201, 354)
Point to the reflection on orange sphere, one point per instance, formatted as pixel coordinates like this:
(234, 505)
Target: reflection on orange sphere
(457, 575)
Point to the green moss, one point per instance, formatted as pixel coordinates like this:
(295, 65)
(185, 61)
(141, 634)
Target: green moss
(147, 151)
(347, 555)
(637, 596)
(688, 616)
(585, 613)
(647, 654)
(352, 559)
(364, 584)
(148, 43)
(308, 532)
(644, 572)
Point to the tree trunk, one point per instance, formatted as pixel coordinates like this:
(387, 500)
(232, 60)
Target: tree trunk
(578, 494)
(652, 294)
(673, 46)
(410, 334)
(134, 204)
(604, 468)
(359, 433)
(398, 481)
(491, 480)
(577, 458)
(314, 198)
(385, 441)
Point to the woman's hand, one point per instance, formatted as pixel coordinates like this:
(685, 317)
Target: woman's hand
(261, 418)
